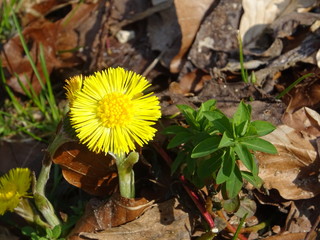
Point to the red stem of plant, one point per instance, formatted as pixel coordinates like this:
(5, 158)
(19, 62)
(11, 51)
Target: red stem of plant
(198, 202)
(195, 198)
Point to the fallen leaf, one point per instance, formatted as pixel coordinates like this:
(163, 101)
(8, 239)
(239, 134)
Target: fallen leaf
(294, 170)
(101, 215)
(305, 119)
(189, 25)
(165, 221)
(95, 173)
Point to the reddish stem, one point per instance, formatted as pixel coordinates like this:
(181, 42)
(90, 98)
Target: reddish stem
(198, 202)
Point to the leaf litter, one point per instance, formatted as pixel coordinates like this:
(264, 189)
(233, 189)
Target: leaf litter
(189, 60)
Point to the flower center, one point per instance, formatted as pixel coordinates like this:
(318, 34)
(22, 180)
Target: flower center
(115, 110)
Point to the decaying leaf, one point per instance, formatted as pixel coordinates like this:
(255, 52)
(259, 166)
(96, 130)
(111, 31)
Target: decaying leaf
(102, 215)
(165, 221)
(94, 173)
(294, 170)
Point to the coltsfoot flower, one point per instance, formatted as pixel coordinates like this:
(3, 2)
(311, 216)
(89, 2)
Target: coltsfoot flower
(13, 186)
(110, 113)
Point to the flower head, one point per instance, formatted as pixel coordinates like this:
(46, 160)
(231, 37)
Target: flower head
(110, 113)
(73, 85)
(13, 186)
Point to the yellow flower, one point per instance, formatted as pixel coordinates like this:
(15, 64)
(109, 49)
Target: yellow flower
(13, 186)
(110, 113)
(73, 85)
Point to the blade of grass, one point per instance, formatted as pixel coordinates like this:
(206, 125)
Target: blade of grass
(235, 236)
(19, 108)
(244, 72)
(292, 85)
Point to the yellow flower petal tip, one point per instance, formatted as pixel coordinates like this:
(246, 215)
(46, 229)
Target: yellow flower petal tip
(72, 86)
(13, 186)
(110, 113)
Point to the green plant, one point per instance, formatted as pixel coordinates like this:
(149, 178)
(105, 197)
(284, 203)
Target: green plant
(6, 23)
(211, 146)
(50, 234)
(40, 112)
(244, 72)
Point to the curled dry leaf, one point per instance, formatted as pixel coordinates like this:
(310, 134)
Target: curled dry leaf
(104, 215)
(305, 119)
(165, 221)
(294, 170)
(94, 173)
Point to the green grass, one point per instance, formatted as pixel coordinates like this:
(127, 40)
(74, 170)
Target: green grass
(38, 116)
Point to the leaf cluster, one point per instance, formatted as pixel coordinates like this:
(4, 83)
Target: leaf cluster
(211, 146)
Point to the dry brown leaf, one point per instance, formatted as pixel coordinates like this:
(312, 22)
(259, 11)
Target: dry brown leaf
(305, 119)
(294, 170)
(94, 173)
(190, 15)
(16, 61)
(165, 221)
(104, 215)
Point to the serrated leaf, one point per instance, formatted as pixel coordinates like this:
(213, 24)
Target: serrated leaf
(245, 156)
(258, 144)
(263, 127)
(206, 147)
(180, 138)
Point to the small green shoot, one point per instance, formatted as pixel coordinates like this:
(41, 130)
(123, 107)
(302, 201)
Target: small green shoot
(292, 85)
(244, 72)
(212, 144)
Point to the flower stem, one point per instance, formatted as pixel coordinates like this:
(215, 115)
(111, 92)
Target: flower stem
(126, 173)
(41, 201)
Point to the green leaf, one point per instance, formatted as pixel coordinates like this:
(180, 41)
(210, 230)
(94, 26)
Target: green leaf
(174, 129)
(206, 106)
(226, 141)
(231, 205)
(245, 156)
(242, 128)
(206, 147)
(258, 144)
(208, 166)
(242, 114)
(177, 162)
(191, 165)
(219, 120)
(234, 184)
(180, 138)
(255, 180)
(228, 163)
(190, 115)
(56, 231)
(263, 127)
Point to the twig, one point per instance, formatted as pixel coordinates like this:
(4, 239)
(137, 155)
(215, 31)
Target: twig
(307, 237)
